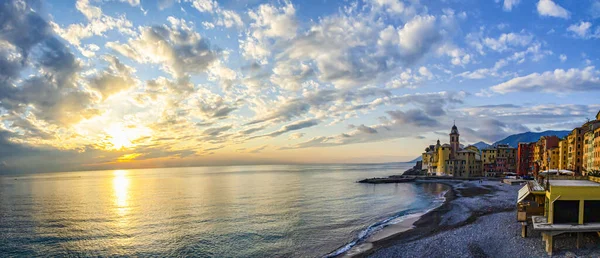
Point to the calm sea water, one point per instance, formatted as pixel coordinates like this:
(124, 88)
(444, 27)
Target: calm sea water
(241, 211)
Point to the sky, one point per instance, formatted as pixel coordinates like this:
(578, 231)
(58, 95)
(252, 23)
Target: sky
(107, 84)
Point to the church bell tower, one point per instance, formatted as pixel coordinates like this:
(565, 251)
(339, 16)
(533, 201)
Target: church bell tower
(454, 141)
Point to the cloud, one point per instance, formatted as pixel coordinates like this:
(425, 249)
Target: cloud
(52, 95)
(595, 9)
(214, 107)
(253, 130)
(509, 4)
(491, 130)
(295, 136)
(414, 116)
(291, 127)
(271, 23)
(257, 149)
(226, 18)
(581, 29)
(178, 48)
(549, 8)
(216, 131)
(558, 81)
(116, 78)
(365, 129)
(563, 58)
(97, 24)
(507, 40)
(526, 114)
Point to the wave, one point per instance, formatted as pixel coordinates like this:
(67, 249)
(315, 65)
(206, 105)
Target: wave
(377, 226)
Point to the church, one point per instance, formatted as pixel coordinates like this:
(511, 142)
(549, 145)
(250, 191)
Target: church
(451, 159)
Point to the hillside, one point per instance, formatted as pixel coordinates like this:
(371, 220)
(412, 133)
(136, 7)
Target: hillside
(481, 145)
(416, 159)
(515, 139)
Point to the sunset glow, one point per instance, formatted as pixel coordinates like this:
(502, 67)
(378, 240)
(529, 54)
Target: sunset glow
(132, 84)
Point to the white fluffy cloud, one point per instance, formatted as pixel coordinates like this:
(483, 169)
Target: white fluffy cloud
(581, 29)
(507, 40)
(98, 23)
(224, 17)
(559, 81)
(178, 48)
(549, 8)
(270, 25)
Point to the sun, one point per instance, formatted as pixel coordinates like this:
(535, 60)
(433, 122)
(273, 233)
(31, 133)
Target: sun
(120, 136)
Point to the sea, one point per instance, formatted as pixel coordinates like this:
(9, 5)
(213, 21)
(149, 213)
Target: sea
(225, 211)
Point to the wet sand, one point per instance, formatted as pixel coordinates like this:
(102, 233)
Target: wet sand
(385, 233)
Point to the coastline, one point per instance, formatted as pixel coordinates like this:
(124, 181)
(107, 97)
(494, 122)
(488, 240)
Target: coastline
(475, 220)
(408, 230)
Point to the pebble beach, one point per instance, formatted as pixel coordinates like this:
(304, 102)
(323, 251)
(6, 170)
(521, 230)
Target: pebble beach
(478, 219)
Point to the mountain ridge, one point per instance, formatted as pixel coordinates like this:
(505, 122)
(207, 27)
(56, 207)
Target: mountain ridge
(514, 139)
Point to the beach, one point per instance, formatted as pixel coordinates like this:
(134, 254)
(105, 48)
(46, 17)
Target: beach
(476, 220)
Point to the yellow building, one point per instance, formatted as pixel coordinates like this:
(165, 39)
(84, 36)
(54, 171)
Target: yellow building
(596, 153)
(488, 155)
(588, 152)
(575, 154)
(553, 158)
(450, 159)
(562, 157)
(571, 206)
(443, 154)
(464, 164)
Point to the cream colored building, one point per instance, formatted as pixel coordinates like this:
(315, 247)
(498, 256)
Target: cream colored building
(451, 160)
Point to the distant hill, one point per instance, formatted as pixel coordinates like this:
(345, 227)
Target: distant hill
(415, 160)
(515, 139)
(481, 145)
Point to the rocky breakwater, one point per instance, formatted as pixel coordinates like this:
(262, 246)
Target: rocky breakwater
(388, 180)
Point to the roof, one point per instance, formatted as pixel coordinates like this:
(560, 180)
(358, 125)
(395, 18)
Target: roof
(586, 183)
(523, 193)
(454, 130)
(556, 172)
(534, 186)
(529, 188)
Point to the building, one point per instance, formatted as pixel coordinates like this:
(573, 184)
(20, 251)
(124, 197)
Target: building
(571, 206)
(563, 151)
(574, 155)
(544, 144)
(525, 159)
(553, 158)
(596, 162)
(589, 139)
(451, 159)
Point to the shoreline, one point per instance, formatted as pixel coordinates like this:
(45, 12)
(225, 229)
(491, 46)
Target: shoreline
(410, 230)
(476, 220)
(435, 220)
(408, 224)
